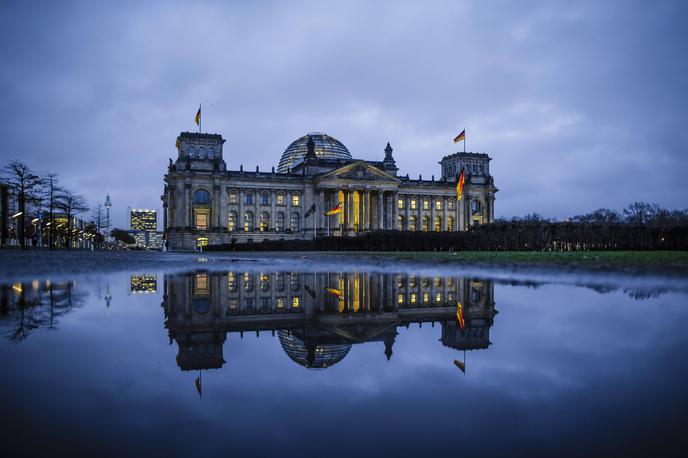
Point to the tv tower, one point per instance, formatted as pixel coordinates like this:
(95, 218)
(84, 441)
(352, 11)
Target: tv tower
(108, 204)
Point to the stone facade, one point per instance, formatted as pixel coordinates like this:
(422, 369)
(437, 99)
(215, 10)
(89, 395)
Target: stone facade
(204, 203)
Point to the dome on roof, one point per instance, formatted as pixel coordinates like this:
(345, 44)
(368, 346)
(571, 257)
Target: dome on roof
(326, 147)
(322, 357)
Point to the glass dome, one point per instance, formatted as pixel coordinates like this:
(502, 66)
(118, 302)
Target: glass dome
(326, 147)
(324, 355)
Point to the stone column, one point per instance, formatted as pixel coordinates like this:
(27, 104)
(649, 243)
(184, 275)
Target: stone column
(187, 204)
(381, 210)
(407, 204)
(287, 217)
(431, 226)
(444, 213)
(240, 216)
(273, 197)
(215, 209)
(395, 209)
(321, 211)
(350, 198)
(363, 210)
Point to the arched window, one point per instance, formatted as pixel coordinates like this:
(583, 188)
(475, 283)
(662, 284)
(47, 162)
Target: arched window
(438, 223)
(426, 224)
(412, 223)
(294, 222)
(265, 198)
(201, 197)
(211, 153)
(264, 221)
(191, 151)
(401, 222)
(450, 204)
(201, 153)
(426, 203)
(450, 223)
(248, 222)
(476, 206)
(280, 198)
(232, 221)
(279, 222)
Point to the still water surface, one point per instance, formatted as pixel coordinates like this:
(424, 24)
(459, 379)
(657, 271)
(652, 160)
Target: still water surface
(260, 363)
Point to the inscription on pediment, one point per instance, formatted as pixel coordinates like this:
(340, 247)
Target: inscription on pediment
(360, 173)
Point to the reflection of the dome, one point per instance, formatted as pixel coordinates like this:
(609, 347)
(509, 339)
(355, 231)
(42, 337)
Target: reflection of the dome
(319, 316)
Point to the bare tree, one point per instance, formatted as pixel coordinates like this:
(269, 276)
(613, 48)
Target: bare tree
(99, 222)
(71, 205)
(51, 190)
(25, 185)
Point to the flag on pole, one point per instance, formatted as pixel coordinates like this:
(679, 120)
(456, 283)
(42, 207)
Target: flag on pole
(310, 291)
(198, 384)
(310, 211)
(335, 210)
(460, 365)
(198, 117)
(461, 136)
(459, 186)
(337, 292)
(459, 315)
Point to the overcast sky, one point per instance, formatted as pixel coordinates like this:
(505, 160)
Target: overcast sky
(581, 104)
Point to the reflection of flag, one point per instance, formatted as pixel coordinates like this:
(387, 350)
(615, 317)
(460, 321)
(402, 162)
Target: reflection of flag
(461, 136)
(310, 291)
(310, 211)
(198, 385)
(337, 292)
(460, 365)
(459, 186)
(459, 315)
(198, 117)
(335, 210)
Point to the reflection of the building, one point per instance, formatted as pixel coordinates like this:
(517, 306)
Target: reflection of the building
(143, 283)
(318, 317)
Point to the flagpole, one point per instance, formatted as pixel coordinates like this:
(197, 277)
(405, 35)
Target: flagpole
(464, 140)
(315, 219)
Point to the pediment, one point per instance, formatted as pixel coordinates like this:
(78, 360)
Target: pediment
(360, 171)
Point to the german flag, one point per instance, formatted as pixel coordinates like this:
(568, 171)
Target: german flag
(335, 210)
(459, 186)
(337, 292)
(459, 315)
(461, 136)
(198, 117)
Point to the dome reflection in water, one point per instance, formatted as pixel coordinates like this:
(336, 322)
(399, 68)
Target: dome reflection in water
(319, 317)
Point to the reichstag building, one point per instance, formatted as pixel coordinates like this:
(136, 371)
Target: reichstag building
(204, 203)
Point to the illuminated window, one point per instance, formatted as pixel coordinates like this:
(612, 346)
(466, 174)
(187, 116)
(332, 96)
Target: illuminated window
(264, 282)
(248, 221)
(233, 303)
(426, 204)
(400, 203)
(400, 299)
(400, 281)
(438, 223)
(295, 302)
(426, 298)
(413, 298)
(450, 223)
(438, 204)
(232, 221)
(280, 198)
(412, 223)
(400, 222)
(265, 199)
(412, 282)
(231, 281)
(426, 224)
(280, 302)
(450, 282)
(438, 298)
(201, 220)
(413, 204)
(450, 204)
(201, 284)
(248, 282)
(450, 297)
(264, 221)
(295, 199)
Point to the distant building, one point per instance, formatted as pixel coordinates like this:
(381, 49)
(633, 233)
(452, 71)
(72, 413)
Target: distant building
(144, 225)
(4, 214)
(144, 283)
(143, 220)
(204, 203)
